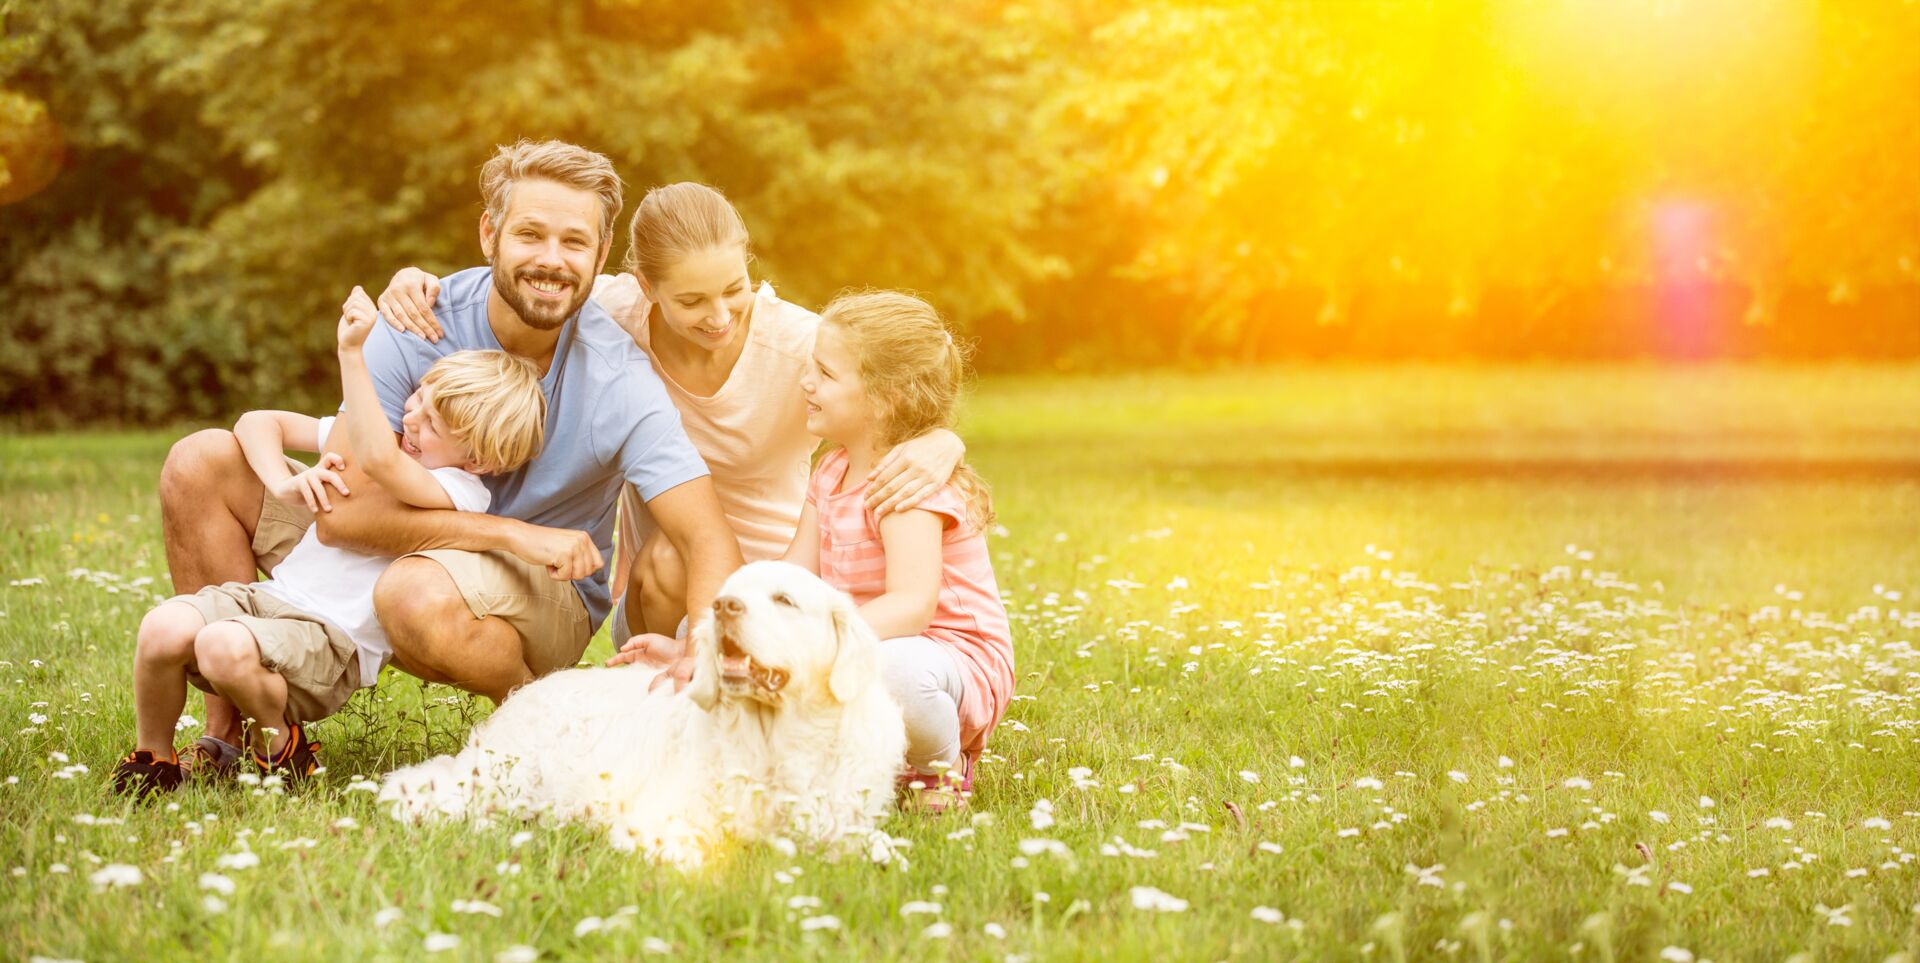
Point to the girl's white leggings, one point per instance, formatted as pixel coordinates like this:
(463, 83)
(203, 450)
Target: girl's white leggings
(924, 677)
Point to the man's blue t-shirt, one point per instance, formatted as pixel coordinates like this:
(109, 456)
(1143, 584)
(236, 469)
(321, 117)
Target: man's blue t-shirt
(608, 418)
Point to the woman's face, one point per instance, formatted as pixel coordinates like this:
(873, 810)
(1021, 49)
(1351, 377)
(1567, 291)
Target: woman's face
(706, 297)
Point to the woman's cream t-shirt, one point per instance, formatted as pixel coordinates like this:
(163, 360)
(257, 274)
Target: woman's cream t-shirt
(752, 432)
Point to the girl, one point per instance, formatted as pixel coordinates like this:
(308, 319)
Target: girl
(885, 369)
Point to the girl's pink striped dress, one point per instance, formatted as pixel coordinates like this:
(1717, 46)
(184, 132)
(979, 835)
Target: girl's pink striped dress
(971, 620)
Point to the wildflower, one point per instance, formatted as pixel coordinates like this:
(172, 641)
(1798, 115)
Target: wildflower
(1269, 915)
(1042, 814)
(812, 923)
(1249, 775)
(938, 931)
(1659, 817)
(245, 859)
(476, 908)
(387, 917)
(216, 882)
(1456, 775)
(1675, 954)
(919, 906)
(1149, 898)
(519, 953)
(995, 930)
(439, 942)
(115, 876)
(655, 946)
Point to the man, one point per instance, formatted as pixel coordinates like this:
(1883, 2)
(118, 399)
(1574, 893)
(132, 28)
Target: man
(488, 602)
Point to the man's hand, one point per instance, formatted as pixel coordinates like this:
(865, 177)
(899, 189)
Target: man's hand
(356, 320)
(567, 554)
(309, 487)
(407, 303)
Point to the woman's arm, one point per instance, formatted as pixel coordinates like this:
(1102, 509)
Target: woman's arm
(911, 540)
(912, 470)
(804, 550)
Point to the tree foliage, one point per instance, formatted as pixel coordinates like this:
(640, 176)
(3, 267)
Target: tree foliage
(187, 191)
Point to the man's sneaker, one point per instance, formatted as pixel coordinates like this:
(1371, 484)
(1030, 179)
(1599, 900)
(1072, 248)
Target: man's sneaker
(209, 757)
(142, 775)
(294, 762)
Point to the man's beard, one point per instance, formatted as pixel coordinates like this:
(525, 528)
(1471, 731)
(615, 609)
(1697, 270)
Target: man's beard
(541, 315)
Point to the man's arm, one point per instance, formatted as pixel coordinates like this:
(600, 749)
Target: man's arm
(372, 520)
(689, 515)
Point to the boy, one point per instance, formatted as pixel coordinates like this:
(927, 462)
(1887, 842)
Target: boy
(291, 650)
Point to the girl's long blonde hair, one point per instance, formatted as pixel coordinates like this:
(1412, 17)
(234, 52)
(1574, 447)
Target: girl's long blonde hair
(913, 370)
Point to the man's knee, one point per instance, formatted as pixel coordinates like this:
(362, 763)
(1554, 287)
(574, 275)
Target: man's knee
(225, 650)
(196, 464)
(416, 596)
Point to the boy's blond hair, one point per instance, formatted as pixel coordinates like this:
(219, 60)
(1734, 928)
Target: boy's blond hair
(491, 403)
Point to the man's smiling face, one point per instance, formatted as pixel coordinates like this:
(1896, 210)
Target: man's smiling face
(545, 251)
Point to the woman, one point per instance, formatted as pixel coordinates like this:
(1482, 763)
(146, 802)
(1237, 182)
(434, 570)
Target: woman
(732, 358)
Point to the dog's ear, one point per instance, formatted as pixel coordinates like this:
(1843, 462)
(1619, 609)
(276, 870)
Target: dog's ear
(856, 655)
(704, 687)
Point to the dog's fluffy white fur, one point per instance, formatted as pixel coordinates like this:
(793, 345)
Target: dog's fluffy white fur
(785, 729)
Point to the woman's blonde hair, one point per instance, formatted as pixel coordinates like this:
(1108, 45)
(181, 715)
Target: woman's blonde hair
(491, 403)
(913, 370)
(675, 221)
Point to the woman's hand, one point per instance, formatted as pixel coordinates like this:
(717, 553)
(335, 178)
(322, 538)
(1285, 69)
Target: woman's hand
(672, 655)
(407, 303)
(914, 469)
(309, 487)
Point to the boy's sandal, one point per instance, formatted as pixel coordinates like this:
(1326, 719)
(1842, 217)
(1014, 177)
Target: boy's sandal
(142, 774)
(209, 757)
(294, 762)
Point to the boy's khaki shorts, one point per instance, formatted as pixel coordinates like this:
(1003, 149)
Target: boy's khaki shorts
(548, 614)
(321, 665)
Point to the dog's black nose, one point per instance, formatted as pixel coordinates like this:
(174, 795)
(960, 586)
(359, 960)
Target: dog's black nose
(728, 605)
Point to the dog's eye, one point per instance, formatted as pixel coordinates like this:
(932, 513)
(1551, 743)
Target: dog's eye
(786, 600)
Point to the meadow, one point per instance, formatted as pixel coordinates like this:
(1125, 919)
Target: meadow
(1522, 663)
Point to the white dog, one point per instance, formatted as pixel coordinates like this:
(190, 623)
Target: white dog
(785, 727)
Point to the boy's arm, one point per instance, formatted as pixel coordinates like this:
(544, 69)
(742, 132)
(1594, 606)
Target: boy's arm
(367, 428)
(265, 437)
(911, 540)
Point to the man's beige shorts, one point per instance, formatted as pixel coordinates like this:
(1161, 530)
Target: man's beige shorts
(321, 665)
(547, 613)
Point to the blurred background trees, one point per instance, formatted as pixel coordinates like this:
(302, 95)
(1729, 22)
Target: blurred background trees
(187, 191)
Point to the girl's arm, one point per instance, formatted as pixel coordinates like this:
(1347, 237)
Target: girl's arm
(911, 540)
(912, 470)
(367, 429)
(804, 551)
(265, 437)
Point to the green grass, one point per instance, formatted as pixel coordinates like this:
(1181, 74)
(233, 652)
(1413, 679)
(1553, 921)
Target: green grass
(1284, 605)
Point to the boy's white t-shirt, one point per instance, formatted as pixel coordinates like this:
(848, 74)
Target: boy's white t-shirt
(336, 584)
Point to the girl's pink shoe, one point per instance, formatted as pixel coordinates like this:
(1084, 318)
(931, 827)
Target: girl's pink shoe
(936, 793)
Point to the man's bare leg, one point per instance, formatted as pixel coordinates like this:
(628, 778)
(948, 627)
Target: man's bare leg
(209, 505)
(657, 598)
(436, 637)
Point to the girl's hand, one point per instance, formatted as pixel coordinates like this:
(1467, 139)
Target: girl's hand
(407, 303)
(309, 487)
(914, 469)
(356, 320)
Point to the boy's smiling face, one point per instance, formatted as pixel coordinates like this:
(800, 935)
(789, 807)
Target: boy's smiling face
(425, 438)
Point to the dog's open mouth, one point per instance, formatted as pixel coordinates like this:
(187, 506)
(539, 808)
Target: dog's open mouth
(738, 670)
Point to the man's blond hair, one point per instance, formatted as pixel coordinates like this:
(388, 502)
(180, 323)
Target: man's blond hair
(554, 160)
(490, 402)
